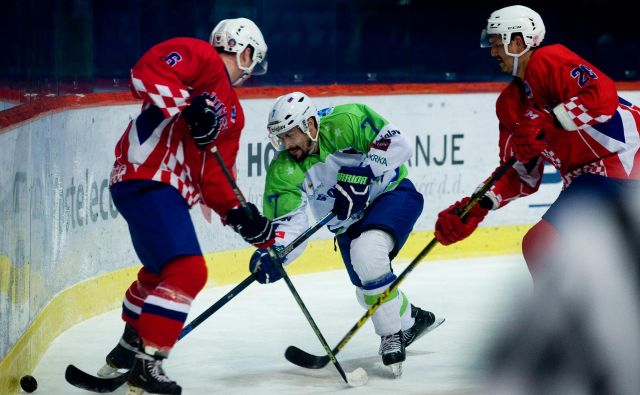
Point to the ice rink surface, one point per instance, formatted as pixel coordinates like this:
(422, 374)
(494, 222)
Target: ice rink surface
(240, 349)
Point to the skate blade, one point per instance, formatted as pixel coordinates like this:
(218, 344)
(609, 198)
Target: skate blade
(109, 372)
(396, 370)
(134, 390)
(436, 323)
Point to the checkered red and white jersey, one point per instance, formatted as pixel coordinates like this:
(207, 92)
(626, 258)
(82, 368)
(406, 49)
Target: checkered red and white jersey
(607, 139)
(168, 75)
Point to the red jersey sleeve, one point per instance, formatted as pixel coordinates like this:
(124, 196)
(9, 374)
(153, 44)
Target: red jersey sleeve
(520, 180)
(171, 71)
(578, 93)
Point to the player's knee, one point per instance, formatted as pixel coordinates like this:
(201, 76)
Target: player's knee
(370, 255)
(186, 273)
(535, 242)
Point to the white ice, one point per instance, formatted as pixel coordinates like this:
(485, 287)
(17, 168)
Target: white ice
(239, 350)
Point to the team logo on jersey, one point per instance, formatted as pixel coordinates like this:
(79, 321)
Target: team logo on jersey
(172, 59)
(325, 111)
(389, 134)
(280, 234)
(378, 159)
(527, 90)
(218, 107)
(382, 144)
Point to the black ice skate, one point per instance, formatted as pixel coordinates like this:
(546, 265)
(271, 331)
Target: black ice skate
(123, 354)
(392, 351)
(425, 322)
(147, 375)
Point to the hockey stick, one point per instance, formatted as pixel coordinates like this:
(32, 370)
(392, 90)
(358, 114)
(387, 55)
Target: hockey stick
(282, 254)
(81, 379)
(89, 382)
(302, 358)
(357, 377)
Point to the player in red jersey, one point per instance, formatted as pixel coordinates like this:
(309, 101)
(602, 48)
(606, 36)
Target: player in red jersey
(164, 166)
(561, 109)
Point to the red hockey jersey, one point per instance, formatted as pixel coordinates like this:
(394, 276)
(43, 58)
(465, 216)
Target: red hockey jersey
(599, 132)
(168, 75)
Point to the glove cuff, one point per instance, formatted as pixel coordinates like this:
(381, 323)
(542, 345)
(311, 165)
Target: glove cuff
(563, 117)
(266, 244)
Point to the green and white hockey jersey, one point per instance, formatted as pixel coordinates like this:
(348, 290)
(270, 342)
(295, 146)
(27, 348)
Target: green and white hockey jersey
(349, 135)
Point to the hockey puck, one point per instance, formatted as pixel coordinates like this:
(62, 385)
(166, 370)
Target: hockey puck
(28, 383)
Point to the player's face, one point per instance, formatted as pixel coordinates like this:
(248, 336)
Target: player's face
(298, 144)
(497, 52)
(236, 73)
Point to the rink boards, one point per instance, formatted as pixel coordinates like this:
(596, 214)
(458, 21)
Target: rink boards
(68, 255)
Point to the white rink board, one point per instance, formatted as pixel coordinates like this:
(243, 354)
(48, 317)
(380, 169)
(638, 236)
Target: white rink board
(55, 201)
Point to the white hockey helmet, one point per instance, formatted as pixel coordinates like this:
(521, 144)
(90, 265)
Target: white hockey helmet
(514, 19)
(289, 111)
(234, 35)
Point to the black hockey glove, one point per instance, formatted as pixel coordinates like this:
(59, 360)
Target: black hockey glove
(202, 120)
(352, 191)
(254, 227)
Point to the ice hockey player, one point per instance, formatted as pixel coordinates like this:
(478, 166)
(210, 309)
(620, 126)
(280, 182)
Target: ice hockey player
(558, 109)
(164, 166)
(350, 160)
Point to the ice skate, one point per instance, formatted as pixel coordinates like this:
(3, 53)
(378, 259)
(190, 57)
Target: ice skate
(392, 351)
(123, 354)
(425, 321)
(148, 376)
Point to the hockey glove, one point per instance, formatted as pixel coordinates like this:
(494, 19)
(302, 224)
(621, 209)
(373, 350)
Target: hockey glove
(528, 138)
(254, 227)
(204, 123)
(264, 268)
(451, 229)
(352, 191)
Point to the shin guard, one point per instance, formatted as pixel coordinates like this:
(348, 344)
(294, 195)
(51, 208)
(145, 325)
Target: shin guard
(166, 308)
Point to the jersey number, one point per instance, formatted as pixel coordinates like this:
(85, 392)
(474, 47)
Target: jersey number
(368, 121)
(172, 59)
(583, 74)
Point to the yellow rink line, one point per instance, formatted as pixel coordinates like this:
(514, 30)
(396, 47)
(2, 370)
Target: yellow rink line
(79, 302)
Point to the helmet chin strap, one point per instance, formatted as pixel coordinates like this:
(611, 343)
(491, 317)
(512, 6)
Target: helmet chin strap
(516, 58)
(245, 76)
(246, 71)
(515, 66)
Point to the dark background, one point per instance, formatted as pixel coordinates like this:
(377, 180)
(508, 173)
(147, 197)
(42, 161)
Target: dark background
(67, 46)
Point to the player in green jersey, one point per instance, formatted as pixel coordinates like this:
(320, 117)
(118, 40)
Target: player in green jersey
(350, 160)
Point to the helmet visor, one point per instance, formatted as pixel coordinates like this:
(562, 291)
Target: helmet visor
(260, 68)
(484, 39)
(276, 142)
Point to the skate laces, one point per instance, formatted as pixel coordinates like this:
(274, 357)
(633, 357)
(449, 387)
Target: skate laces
(158, 373)
(153, 366)
(391, 343)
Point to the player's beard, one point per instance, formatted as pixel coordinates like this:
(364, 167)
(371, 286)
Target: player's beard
(299, 153)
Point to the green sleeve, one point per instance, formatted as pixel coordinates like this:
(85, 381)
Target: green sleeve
(283, 188)
(358, 126)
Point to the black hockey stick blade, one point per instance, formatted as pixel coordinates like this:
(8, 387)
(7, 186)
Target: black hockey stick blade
(305, 360)
(86, 381)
